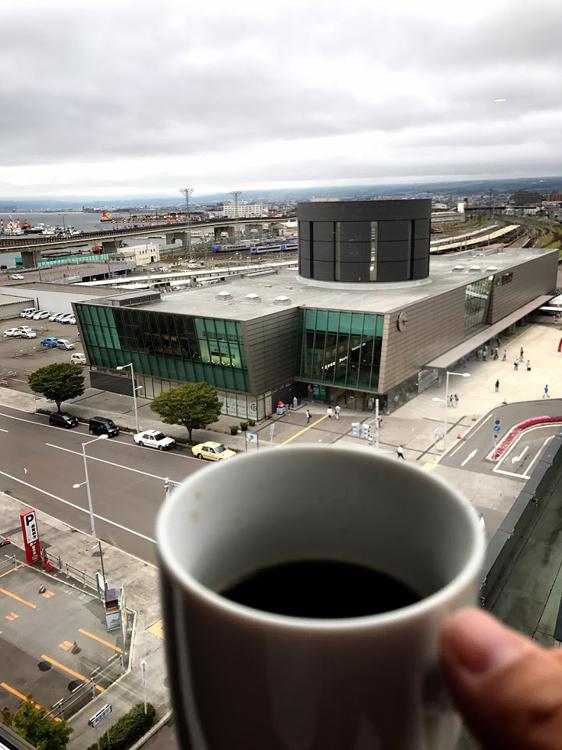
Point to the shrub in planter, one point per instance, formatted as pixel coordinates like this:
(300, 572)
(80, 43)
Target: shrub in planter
(243, 426)
(252, 422)
(128, 729)
(233, 429)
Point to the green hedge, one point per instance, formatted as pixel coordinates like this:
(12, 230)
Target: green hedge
(130, 728)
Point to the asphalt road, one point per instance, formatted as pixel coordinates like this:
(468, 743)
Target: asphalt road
(472, 454)
(40, 464)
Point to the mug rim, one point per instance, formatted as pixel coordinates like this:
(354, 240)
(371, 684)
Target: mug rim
(469, 572)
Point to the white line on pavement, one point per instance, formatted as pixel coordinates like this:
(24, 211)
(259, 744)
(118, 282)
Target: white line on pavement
(1, 430)
(537, 454)
(515, 459)
(104, 461)
(470, 455)
(78, 507)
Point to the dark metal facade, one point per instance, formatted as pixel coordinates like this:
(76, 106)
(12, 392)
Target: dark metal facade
(364, 241)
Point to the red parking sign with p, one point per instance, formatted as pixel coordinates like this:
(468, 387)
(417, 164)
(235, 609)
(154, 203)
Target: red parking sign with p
(31, 539)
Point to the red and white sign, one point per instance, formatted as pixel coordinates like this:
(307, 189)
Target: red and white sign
(31, 539)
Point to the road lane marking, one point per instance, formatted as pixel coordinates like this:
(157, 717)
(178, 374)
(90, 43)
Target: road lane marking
(7, 573)
(36, 423)
(101, 640)
(69, 671)
(22, 697)
(157, 629)
(537, 454)
(18, 598)
(11, 616)
(78, 507)
(105, 461)
(1, 430)
(470, 455)
(304, 429)
(515, 459)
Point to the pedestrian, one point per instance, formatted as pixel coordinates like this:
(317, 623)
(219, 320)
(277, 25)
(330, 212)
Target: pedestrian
(456, 400)
(295, 402)
(338, 411)
(329, 412)
(485, 353)
(515, 365)
(400, 453)
(497, 385)
(504, 355)
(521, 352)
(308, 416)
(528, 365)
(546, 394)
(450, 400)
(495, 354)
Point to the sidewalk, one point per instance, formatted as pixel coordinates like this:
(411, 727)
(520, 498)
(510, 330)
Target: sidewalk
(140, 581)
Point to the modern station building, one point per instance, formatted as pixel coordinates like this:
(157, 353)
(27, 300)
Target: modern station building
(364, 316)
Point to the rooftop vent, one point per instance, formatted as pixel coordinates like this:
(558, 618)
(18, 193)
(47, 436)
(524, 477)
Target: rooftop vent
(475, 269)
(224, 295)
(458, 268)
(282, 299)
(253, 297)
(492, 268)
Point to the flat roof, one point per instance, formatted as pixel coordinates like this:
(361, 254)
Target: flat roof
(9, 299)
(45, 286)
(376, 298)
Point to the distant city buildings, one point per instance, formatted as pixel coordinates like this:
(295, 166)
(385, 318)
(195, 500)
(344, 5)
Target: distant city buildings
(233, 210)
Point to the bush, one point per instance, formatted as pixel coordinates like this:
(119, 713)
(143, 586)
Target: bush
(233, 429)
(243, 426)
(252, 422)
(128, 729)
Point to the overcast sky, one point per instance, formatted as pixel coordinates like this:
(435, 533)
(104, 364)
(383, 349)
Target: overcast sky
(125, 97)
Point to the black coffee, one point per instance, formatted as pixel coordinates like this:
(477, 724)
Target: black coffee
(321, 589)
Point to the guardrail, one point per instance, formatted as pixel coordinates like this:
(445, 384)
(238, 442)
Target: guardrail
(516, 430)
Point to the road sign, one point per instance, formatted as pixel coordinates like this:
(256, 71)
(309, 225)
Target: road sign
(497, 425)
(100, 715)
(251, 437)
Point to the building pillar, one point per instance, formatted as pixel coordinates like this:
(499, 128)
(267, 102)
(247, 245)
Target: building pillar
(110, 246)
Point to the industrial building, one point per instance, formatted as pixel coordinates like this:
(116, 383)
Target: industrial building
(364, 317)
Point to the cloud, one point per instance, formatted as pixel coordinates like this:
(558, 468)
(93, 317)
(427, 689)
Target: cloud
(140, 97)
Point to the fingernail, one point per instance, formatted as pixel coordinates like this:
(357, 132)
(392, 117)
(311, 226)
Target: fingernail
(480, 644)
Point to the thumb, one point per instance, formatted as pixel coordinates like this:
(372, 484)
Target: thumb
(508, 689)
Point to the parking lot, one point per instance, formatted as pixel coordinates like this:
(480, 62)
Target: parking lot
(20, 357)
(53, 640)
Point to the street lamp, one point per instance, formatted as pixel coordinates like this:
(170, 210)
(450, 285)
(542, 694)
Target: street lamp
(446, 422)
(135, 389)
(87, 483)
(186, 192)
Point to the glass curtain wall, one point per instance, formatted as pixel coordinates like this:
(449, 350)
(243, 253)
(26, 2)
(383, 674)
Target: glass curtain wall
(341, 348)
(172, 347)
(476, 304)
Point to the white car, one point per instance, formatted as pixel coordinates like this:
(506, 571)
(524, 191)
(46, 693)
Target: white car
(29, 312)
(27, 335)
(71, 320)
(41, 315)
(17, 277)
(54, 316)
(154, 439)
(12, 332)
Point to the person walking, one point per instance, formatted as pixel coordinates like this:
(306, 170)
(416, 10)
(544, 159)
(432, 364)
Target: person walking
(497, 385)
(329, 412)
(515, 365)
(496, 354)
(400, 453)
(545, 394)
(504, 355)
(308, 416)
(455, 400)
(528, 365)
(337, 411)
(521, 353)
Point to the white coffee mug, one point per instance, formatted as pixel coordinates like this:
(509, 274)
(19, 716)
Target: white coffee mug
(245, 679)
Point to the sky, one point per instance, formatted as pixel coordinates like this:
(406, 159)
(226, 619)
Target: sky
(128, 97)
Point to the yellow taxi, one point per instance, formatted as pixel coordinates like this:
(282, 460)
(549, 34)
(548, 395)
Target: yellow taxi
(212, 451)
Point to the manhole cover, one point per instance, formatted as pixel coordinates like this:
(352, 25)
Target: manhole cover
(44, 666)
(73, 685)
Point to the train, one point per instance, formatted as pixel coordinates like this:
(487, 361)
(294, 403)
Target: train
(289, 245)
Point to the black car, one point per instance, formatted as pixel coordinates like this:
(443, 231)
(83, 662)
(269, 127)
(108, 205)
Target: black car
(103, 426)
(62, 419)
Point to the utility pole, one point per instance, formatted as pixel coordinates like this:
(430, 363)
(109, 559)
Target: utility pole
(236, 195)
(186, 192)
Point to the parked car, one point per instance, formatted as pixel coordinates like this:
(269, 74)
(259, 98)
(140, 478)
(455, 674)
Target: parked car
(65, 344)
(11, 332)
(63, 419)
(154, 439)
(41, 315)
(54, 316)
(103, 426)
(17, 276)
(49, 342)
(212, 451)
(78, 359)
(29, 312)
(68, 319)
(58, 317)
(27, 334)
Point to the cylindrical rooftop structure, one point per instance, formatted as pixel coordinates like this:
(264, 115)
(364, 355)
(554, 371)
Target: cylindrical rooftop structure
(364, 241)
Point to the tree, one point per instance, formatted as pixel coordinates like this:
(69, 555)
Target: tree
(37, 726)
(193, 405)
(58, 382)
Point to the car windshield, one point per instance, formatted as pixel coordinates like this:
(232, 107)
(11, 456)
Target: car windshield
(159, 436)
(218, 448)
